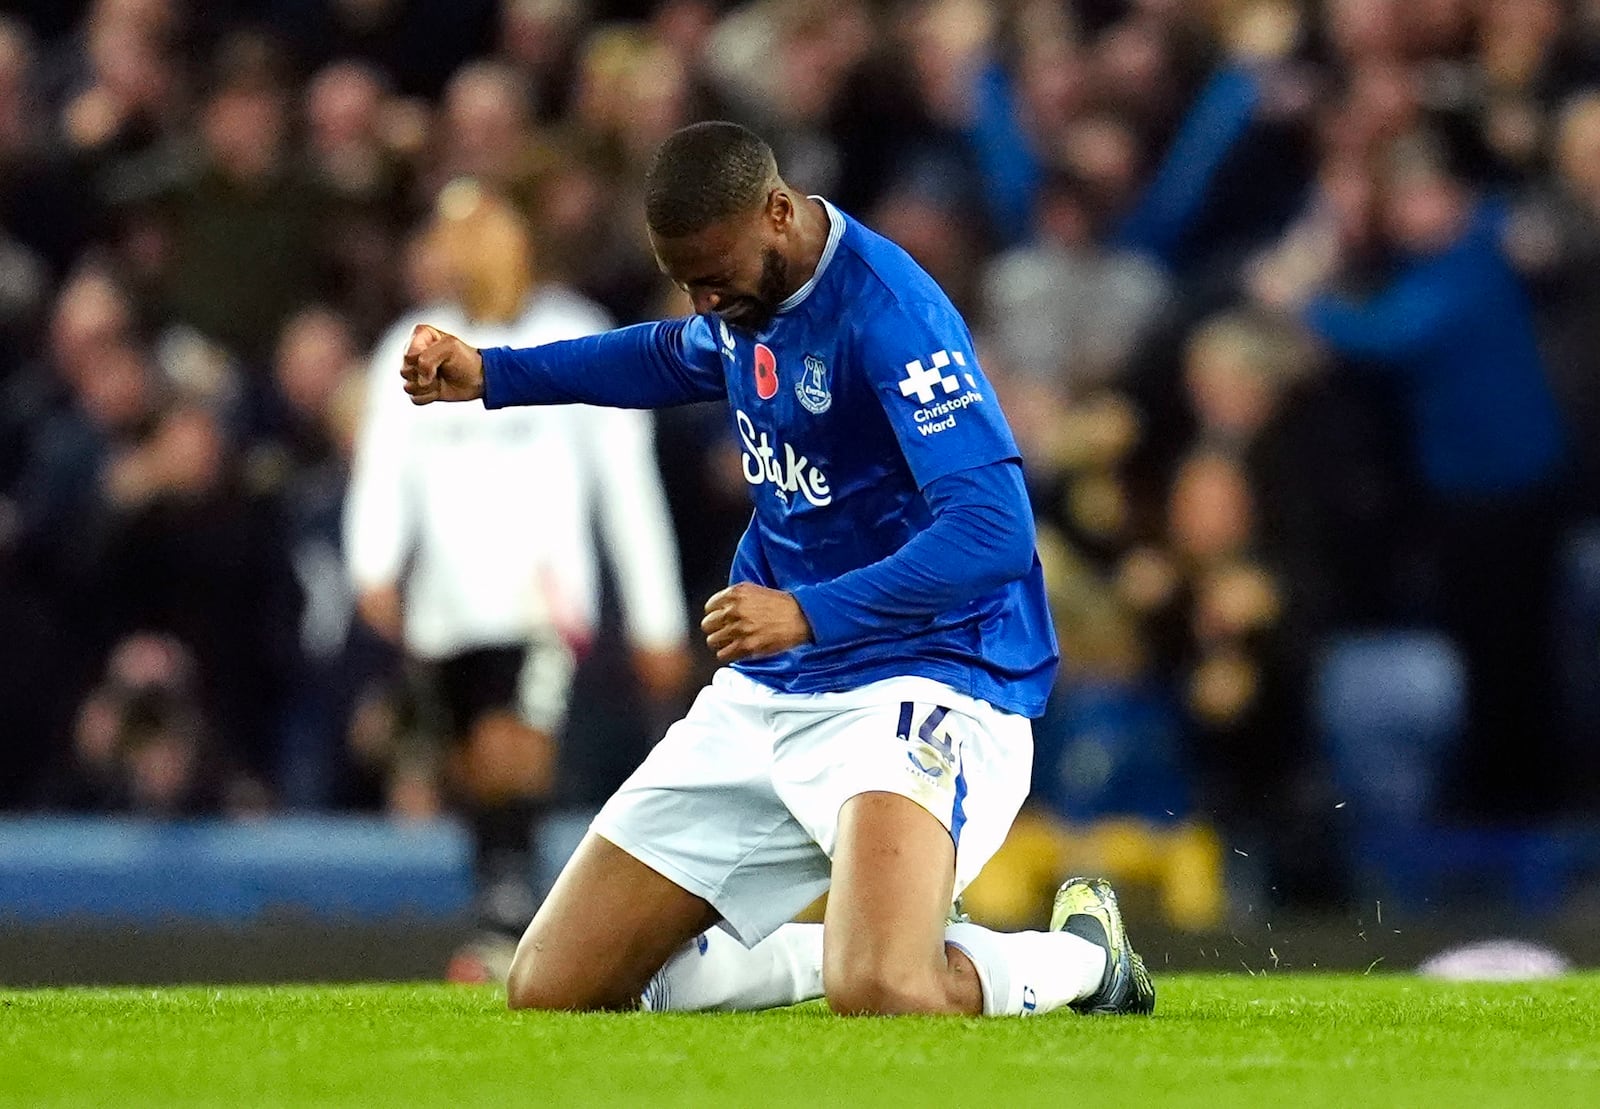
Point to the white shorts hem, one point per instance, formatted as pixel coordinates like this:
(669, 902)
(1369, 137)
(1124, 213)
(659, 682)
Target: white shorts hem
(743, 929)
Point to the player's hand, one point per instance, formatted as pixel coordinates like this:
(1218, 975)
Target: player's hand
(749, 621)
(438, 366)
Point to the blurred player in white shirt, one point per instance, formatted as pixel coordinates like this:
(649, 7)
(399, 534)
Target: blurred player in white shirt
(492, 583)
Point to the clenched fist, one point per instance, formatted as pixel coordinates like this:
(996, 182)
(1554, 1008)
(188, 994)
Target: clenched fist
(439, 366)
(749, 621)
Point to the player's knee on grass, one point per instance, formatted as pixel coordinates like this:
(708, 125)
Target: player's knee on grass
(527, 989)
(534, 984)
(609, 923)
(861, 988)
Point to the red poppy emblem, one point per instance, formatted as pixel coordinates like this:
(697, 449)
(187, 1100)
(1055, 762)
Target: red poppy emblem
(766, 372)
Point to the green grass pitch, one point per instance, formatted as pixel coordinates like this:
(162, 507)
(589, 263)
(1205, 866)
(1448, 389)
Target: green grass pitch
(1218, 1041)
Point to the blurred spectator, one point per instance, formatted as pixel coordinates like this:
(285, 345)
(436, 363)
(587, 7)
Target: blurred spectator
(1235, 168)
(129, 517)
(965, 91)
(1239, 371)
(484, 131)
(469, 541)
(538, 38)
(1455, 329)
(206, 209)
(1136, 70)
(44, 210)
(631, 89)
(356, 145)
(92, 395)
(417, 44)
(920, 212)
(122, 90)
(306, 465)
(636, 90)
(1065, 311)
(142, 744)
(67, 410)
(1314, 455)
(822, 50)
(1519, 44)
(1554, 239)
(246, 224)
(316, 353)
(1221, 618)
(184, 540)
(91, 315)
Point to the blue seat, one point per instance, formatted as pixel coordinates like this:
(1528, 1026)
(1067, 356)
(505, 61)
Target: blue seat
(1391, 708)
(1110, 748)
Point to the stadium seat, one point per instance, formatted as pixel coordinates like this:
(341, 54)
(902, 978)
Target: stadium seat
(1111, 796)
(1179, 865)
(1391, 706)
(1391, 709)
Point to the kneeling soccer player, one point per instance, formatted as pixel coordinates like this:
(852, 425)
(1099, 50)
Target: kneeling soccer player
(886, 628)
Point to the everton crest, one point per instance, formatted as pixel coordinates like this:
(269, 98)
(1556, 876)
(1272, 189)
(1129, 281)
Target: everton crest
(812, 388)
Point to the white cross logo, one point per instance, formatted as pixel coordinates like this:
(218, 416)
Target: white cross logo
(921, 381)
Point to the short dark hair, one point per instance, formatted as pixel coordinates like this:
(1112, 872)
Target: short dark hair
(704, 173)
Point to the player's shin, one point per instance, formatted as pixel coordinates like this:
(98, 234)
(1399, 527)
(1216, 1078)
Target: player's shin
(503, 853)
(714, 971)
(1026, 973)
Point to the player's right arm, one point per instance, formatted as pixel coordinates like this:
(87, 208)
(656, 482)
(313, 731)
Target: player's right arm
(650, 365)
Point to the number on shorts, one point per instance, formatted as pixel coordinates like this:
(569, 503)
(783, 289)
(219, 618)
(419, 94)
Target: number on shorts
(930, 731)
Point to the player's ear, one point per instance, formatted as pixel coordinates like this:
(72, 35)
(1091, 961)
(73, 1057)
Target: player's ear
(780, 208)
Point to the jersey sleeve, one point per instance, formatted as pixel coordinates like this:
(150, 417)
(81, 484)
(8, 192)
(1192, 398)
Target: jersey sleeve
(981, 538)
(920, 361)
(648, 365)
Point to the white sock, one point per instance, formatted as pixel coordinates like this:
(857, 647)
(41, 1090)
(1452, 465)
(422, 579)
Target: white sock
(716, 971)
(1026, 973)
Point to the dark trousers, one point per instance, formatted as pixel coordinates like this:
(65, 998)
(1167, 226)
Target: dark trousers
(1492, 564)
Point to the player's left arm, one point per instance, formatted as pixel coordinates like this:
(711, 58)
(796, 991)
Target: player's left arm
(921, 362)
(981, 538)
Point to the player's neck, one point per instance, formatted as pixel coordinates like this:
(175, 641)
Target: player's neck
(813, 225)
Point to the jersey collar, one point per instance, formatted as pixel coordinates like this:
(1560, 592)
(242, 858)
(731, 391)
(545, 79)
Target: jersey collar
(835, 233)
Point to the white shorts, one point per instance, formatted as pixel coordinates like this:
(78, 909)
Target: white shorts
(739, 802)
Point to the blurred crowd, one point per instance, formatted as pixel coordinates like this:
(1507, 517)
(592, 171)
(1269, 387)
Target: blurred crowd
(1294, 307)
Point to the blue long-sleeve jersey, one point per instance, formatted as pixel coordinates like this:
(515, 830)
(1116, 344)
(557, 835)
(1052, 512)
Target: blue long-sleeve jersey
(888, 495)
(1457, 328)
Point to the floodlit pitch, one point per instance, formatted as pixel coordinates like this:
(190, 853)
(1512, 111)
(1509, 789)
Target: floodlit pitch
(1230, 1041)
